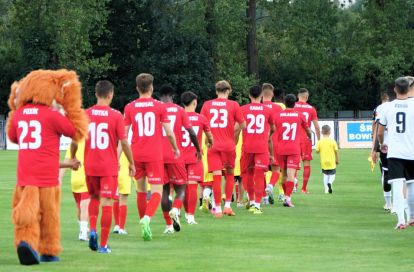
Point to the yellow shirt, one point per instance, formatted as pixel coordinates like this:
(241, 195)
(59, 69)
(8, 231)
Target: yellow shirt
(326, 148)
(281, 105)
(77, 178)
(208, 177)
(238, 155)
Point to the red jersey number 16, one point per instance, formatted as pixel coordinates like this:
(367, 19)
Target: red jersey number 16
(99, 135)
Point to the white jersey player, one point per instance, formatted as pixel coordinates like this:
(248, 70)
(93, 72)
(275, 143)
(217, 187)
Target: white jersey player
(399, 120)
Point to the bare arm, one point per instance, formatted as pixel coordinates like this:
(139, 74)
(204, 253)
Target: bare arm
(336, 157)
(128, 153)
(209, 139)
(194, 141)
(171, 138)
(308, 133)
(237, 130)
(73, 149)
(317, 129)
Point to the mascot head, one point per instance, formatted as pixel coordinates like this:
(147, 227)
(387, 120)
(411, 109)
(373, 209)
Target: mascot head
(48, 87)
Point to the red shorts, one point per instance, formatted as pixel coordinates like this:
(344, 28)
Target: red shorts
(102, 186)
(306, 150)
(218, 160)
(154, 171)
(79, 197)
(254, 160)
(289, 161)
(175, 173)
(195, 171)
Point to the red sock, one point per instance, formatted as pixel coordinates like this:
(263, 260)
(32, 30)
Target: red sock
(274, 178)
(123, 209)
(93, 210)
(217, 189)
(284, 187)
(229, 186)
(236, 188)
(192, 198)
(289, 188)
(250, 185)
(258, 184)
(106, 220)
(306, 175)
(178, 203)
(153, 204)
(141, 203)
(116, 212)
(245, 178)
(167, 218)
(186, 197)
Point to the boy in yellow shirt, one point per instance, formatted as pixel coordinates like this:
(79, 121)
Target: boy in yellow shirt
(328, 150)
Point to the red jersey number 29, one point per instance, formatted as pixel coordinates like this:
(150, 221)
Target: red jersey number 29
(35, 140)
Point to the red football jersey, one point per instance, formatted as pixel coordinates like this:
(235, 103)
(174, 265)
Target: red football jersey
(200, 125)
(106, 128)
(222, 115)
(310, 114)
(259, 118)
(37, 130)
(288, 123)
(178, 121)
(275, 108)
(145, 115)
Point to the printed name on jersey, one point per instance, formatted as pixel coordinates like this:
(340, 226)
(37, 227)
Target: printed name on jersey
(100, 112)
(218, 103)
(30, 111)
(193, 118)
(256, 108)
(303, 106)
(172, 109)
(291, 114)
(143, 104)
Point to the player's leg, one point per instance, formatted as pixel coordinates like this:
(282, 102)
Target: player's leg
(109, 187)
(292, 164)
(93, 184)
(141, 188)
(166, 207)
(215, 166)
(191, 195)
(229, 159)
(384, 179)
(116, 214)
(306, 175)
(397, 178)
(83, 216)
(123, 211)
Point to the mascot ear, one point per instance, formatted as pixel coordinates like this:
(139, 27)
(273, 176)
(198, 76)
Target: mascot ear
(70, 97)
(12, 102)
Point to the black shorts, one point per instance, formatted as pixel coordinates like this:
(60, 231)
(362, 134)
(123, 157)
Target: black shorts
(400, 169)
(383, 161)
(329, 172)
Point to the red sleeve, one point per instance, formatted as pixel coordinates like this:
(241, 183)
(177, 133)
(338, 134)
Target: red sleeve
(303, 121)
(238, 114)
(163, 114)
(271, 120)
(185, 120)
(120, 128)
(63, 125)
(127, 115)
(203, 110)
(204, 122)
(12, 132)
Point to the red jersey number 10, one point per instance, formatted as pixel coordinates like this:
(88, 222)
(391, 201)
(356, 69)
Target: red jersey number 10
(146, 124)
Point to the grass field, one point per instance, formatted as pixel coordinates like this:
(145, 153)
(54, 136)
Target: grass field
(346, 231)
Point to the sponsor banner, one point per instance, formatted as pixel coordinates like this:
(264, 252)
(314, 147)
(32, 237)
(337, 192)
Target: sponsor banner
(321, 124)
(355, 134)
(64, 144)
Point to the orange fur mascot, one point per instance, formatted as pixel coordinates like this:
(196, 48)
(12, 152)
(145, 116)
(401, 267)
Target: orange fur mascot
(36, 127)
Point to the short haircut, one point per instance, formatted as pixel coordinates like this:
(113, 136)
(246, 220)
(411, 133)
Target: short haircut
(402, 85)
(144, 81)
(279, 93)
(290, 101)
(255, 91)
(166, 90)
(303, 91)
(411, 80)
(188, 97)
(267, 86)
(103, 88)
(222, 86)
(326, 129)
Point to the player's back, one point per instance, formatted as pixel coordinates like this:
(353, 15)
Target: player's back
(399, 117)
(288, 123)
(275, 108)
(105, 130)
(37, 130)
(145, 116)
(255, 136)
(309, 112)
(222, 115)
(199, 124)
(178, 121)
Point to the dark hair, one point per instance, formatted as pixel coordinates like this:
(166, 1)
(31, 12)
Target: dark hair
(103, 88)
(144, 81)
(303, 90)
(326, 129)
(255, 91)
(188, 97)
(279, 93)
(402, 85)
(290, 101)
(166, 90)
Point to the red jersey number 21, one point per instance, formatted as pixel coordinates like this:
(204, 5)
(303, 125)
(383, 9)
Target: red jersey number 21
(289, 133)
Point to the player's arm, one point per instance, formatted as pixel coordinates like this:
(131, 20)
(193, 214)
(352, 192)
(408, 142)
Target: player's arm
(194, 141)
(317, 129)
(380, 135)
(336, 157)
(74, 164)
(73, 149)
(270, 145)
(171, 138)
(12, 132)
(128, 153)
(317, 150)
(237, 130)
(209, 139)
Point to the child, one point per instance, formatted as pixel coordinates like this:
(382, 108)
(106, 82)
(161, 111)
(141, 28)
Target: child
(328, 150)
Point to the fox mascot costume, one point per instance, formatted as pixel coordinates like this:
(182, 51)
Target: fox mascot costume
(36, 127)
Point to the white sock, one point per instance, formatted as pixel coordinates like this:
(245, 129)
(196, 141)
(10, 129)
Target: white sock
(257, 205)
(410, 200)
(147, 217)
(174, 210)
(332, 178)
(398, 199)
(325, 182)
(83, 225)
(227, 204)
(206, 192)
(387, 198)
(218, 208)
(270, 186)
(406, 208)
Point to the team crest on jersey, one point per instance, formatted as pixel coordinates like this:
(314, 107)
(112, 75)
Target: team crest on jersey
(150, 174)
(191, 172)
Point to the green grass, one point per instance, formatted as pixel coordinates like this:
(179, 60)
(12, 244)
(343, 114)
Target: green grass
(346, 231)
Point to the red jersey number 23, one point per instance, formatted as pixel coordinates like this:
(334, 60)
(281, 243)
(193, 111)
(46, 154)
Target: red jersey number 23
(219, 119)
